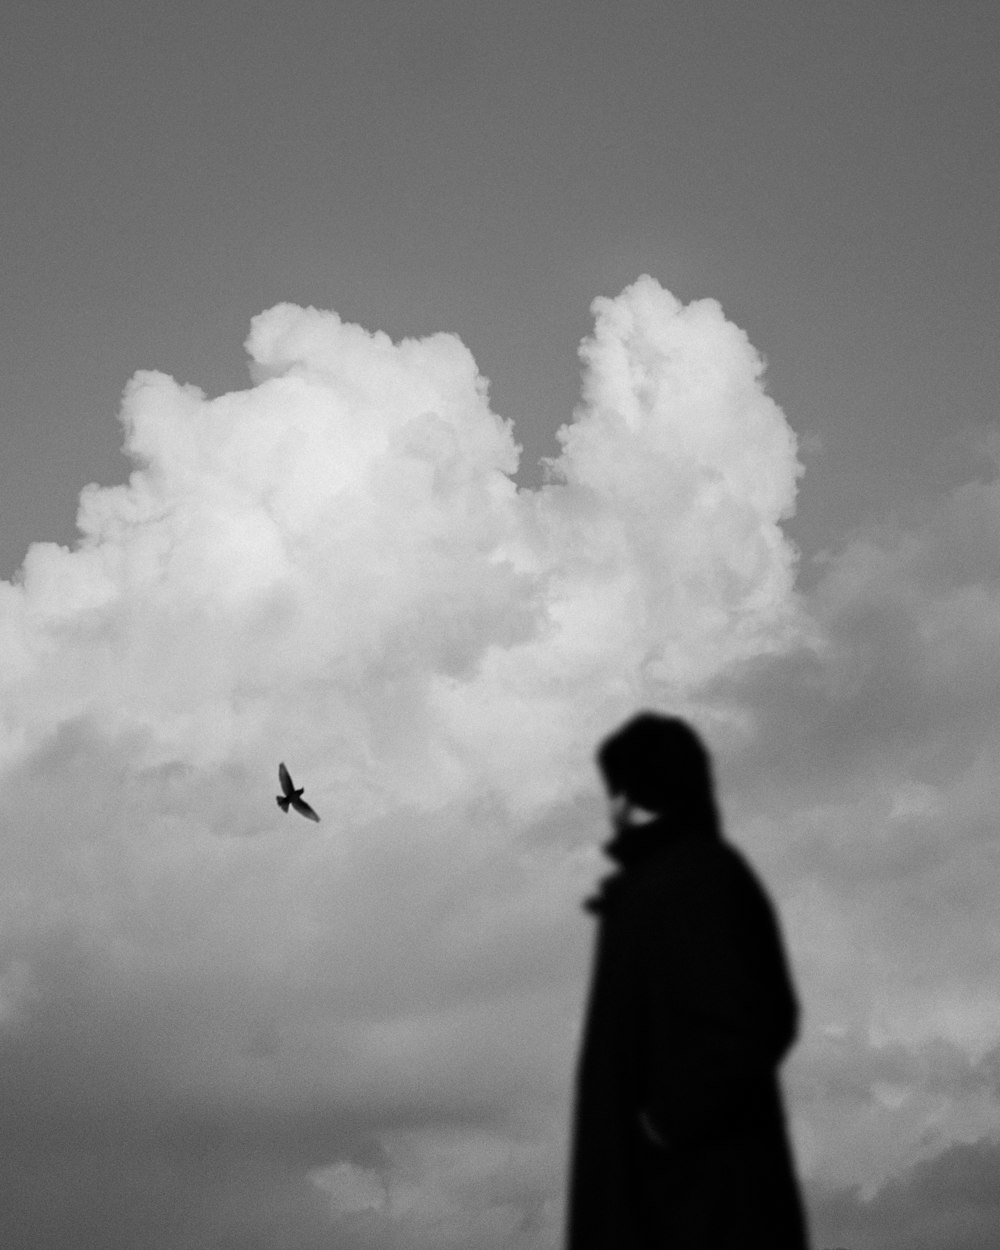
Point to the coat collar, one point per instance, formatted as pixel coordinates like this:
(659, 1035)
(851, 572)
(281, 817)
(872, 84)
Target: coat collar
(636, 843)
(634, 847)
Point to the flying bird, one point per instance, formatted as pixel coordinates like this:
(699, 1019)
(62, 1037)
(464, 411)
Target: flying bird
(291, 796)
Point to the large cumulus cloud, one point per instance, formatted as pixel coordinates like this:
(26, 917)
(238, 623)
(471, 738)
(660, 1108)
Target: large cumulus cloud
(270, 1029)
(222, 1026)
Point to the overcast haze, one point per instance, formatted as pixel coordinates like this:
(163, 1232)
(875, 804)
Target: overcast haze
(489, 371)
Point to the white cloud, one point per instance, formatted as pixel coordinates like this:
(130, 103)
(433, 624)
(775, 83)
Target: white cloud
(371, 1024)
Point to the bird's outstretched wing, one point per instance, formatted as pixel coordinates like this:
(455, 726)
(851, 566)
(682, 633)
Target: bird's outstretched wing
(292, 797)
(286, 781)
(303, 808)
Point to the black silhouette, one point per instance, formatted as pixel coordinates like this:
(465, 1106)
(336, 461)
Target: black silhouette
(292, 797)
(679, 1134)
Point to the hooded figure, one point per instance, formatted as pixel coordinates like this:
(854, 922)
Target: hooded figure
(679, 1135)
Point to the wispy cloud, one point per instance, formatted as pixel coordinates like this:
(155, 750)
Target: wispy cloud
(866, 780)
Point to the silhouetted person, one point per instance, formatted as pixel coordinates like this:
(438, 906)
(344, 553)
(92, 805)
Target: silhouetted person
(679, 1137)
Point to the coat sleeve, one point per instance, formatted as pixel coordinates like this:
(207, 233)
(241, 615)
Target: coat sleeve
(719, 1006)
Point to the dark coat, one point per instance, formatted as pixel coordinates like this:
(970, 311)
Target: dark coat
(691, 1010)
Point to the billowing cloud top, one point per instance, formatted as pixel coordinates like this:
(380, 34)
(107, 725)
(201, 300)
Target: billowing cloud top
(338, 561)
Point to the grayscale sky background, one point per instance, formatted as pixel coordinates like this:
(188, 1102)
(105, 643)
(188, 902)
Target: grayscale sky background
(280, 582)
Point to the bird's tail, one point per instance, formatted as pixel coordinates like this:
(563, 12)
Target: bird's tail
(282, 802)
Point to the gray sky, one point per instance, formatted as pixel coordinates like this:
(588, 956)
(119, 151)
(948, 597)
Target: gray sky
(827, 172)
(221, 1026)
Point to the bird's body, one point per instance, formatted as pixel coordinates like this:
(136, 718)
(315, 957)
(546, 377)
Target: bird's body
(292, 797)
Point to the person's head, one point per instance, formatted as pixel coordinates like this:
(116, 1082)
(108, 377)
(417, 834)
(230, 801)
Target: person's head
(660, 764)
